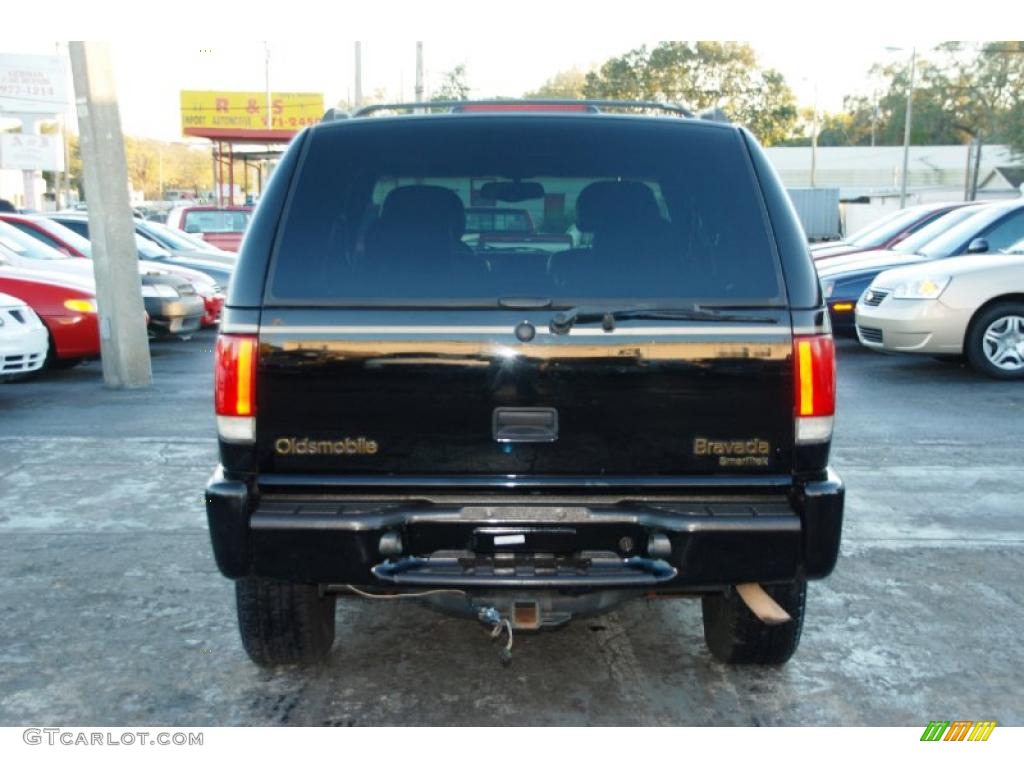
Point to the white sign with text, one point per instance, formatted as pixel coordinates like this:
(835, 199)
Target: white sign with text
(34, 84)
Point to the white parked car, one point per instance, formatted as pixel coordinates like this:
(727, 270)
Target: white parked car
(23, 338)
(966, 305)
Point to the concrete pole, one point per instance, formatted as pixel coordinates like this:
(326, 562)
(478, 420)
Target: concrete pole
(358, 101)
(906, 130)
(419, 71)
(266, 73)
(123, 341)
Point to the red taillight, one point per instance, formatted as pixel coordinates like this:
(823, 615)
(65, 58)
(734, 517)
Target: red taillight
(814, 379)
(814, 359)
(525, 107)
(235, 376)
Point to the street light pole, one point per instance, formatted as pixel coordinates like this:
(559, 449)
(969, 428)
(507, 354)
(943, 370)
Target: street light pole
(358, 99)
(266, 74)
(906, 129)
(814, 137)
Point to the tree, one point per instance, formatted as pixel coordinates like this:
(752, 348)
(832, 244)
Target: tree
(454, 86)
(961, 90)
(702, 75)
(563, 85)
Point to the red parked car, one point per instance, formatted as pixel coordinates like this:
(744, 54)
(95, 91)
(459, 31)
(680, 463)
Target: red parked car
(66, 240)
(65, 304)
(222, 227)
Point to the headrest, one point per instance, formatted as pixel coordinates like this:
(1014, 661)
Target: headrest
(425, 207)
(615, 203)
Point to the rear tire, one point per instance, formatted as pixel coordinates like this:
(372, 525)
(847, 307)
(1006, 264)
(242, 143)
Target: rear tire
(994, 343)
(736, 636)
(283, 623)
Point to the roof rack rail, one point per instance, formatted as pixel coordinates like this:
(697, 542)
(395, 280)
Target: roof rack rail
(556, 105)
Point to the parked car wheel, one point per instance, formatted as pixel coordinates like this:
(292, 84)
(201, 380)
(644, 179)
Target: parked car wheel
(283, 623)
(995, 341)
(736, 636)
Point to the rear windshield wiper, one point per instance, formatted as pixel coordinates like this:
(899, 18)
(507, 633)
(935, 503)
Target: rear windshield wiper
(563, 322)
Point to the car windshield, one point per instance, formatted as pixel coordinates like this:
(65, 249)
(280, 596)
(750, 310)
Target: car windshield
(65, 235)
(174, 240)
(582, 211)
(149, 250)
(879, 232)
(955, 239)
(215, 222)
(27, 246)
(497, 220)
(944, 223)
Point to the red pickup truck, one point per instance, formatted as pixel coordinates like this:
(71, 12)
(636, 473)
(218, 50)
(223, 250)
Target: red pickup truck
(222, 227)
(510, 228)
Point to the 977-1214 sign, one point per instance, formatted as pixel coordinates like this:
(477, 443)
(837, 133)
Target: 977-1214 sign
(33, 84)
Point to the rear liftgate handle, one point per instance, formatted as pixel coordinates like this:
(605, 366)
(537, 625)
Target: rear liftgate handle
(525, 425)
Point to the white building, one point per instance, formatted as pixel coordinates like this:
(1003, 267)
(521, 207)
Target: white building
(935, 173)
(868, 178)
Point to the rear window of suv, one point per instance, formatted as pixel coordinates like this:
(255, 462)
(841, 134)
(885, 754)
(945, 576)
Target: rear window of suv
(469, 210)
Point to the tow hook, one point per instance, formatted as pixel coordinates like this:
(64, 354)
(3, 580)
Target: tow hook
(491, 617)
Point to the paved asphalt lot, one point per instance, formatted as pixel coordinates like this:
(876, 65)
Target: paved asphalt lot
(113, 612)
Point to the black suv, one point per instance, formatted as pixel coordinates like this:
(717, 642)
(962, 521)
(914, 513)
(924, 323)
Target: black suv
(516, 433)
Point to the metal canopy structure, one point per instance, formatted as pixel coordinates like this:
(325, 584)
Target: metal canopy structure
(254, 155)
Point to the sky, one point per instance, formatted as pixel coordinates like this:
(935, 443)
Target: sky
(150, 73)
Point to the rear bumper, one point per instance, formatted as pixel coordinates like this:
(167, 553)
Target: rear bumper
(698, 544)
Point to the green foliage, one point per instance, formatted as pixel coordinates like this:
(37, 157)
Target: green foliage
(178, 166)
(702, 75)
(564, 85)
(960, 90)
(454, 86)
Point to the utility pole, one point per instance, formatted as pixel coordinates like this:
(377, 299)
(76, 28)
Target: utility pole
(814, 137)
(266, 76)
(419, 71)
(976, 168)
(123, 343)
(359, 76)
(906, 129)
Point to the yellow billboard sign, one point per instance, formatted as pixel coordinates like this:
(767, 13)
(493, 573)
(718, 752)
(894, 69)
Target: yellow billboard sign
(242, 114)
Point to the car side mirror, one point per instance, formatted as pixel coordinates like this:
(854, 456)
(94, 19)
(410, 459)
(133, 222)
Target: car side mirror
(978, 245)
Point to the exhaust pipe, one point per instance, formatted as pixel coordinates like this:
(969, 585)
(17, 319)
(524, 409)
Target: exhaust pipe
(761, 604)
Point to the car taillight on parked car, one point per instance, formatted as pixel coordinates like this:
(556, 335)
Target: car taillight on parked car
(814, 377)
(235, 387)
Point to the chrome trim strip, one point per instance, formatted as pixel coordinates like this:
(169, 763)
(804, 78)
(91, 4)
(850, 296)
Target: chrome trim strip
(501, 330)
(239, 328)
